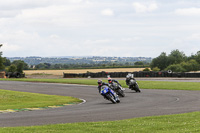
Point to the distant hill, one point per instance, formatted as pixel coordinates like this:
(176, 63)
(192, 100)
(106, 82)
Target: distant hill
(34, 60)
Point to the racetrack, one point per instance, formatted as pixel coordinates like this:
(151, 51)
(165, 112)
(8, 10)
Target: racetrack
(148, 103)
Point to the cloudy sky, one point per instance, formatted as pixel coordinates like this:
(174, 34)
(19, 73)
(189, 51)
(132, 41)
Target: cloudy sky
(123, 28)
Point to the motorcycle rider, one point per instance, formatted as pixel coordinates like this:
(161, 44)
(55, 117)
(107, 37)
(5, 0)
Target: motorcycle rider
(130, 77)
(110, 81)
(101, 84)
(116, 86)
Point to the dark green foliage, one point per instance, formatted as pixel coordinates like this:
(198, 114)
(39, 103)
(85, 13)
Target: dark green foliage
(161, 61)
(155, 69)
(1, 60)
(196, 57)
(20, 67)
(6, 61)
(176, 57)
(146, 69)
(1, 63)
(12, 68)
(176, 68)
(43, 66)
(177, 62)
(19, 64)
(139, 63)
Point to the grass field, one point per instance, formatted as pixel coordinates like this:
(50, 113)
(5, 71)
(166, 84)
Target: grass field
(179, 123)
(142, 84)
(60, 72)
(21, 100)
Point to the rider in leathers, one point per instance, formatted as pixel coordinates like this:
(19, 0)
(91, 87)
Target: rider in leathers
(111, 81)
(128, 78)
(103, 84)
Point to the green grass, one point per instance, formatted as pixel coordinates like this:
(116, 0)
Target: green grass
(20, 100)
(180, 123)
(142, 84)
(169, 85)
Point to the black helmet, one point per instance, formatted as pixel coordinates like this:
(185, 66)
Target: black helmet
(99, 82)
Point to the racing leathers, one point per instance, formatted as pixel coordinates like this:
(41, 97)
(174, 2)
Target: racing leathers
(102, 84)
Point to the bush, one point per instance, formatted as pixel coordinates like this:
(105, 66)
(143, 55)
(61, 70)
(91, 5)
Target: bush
(12, 68)
(146, 69)
(156, 69)
(176, 68)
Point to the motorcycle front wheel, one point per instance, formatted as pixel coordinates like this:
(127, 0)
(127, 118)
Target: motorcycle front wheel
(137, 88)
(111, 98)
(121, 93)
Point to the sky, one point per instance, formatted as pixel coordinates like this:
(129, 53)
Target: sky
(122, 28)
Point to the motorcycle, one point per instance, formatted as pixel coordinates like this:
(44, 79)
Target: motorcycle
(133, 85)
(110, 95)
(118, 89)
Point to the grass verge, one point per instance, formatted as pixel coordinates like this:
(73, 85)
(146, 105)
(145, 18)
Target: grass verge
(142, 84)
(20, 100)
(180, 123)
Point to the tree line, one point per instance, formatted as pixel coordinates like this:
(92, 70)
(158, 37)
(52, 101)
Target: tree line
(176, 61)
(20, 65)
(15, 66)
(88, 65)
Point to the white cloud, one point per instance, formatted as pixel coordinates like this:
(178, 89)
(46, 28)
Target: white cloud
(107, 12)
(143, 8)
(194, 37)
(188, 11)
(79, 27)
(130, 39)
(10, 47)
(103, 41)
(54, 36)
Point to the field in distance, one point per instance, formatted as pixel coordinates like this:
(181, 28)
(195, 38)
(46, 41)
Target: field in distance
(60, 72)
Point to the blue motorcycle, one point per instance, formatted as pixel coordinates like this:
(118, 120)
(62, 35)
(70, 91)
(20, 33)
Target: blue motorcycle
(109, 94)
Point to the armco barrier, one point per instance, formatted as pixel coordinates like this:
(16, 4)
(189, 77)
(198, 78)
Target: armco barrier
(15, 75)
(136, 74)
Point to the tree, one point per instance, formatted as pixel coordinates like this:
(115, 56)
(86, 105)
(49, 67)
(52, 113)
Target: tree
(139, 63)
(197, 57)
(43, 66)
(1, 60)
(20, 67)
(191, 65)
(155, 69)
(194, 65)
(176, 68)
(6, 62)
(0, 47)
(146, 69)
(20, 62)
(176, 57)
(12, 68)
(161, 61)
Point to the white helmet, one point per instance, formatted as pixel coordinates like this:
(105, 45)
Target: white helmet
(128, 76)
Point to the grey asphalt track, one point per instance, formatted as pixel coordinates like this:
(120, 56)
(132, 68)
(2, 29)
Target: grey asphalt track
(148, 103)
